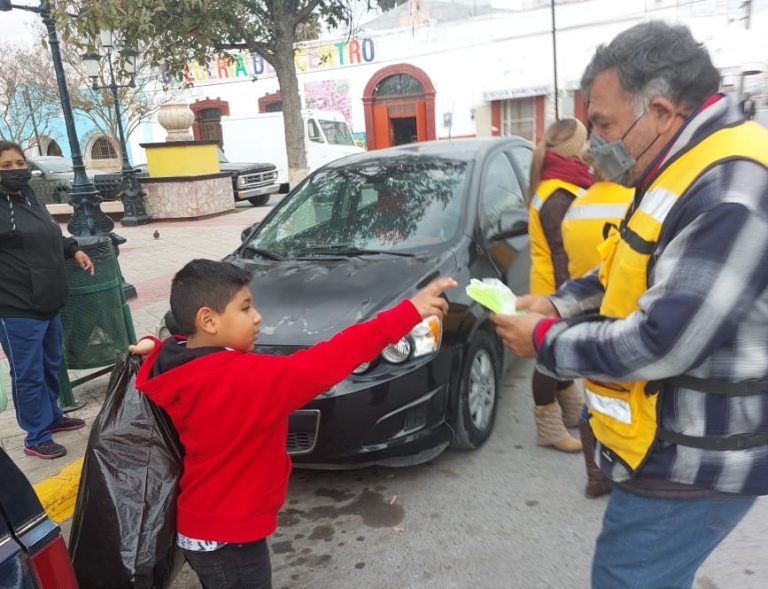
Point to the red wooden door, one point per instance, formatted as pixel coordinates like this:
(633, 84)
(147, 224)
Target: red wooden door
(421, 120)
(381, 126)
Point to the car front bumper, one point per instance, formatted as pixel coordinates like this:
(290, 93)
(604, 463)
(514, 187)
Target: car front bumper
(244, 193)
(397, 417)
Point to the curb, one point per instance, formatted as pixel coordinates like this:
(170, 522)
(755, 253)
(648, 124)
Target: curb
(59, 492)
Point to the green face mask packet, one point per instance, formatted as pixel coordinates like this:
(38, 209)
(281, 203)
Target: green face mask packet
(492, 294)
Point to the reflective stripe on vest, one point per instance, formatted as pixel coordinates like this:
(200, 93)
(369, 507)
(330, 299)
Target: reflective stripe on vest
(624, 416)
(542, 270)
(584, 223)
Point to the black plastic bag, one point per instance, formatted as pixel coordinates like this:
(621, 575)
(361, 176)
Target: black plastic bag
(124, 527)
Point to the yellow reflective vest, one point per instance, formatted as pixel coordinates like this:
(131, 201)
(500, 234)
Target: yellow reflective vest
(624, 415)
(542, 270)
(584, 224)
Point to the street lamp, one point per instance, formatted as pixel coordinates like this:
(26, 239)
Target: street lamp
(130, 189)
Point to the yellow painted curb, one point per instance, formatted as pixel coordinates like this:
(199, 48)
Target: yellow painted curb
(59, 493)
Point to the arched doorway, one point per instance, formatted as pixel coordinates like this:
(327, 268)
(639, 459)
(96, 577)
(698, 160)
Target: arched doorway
(53, 149)
(399, 102)
(207, 125)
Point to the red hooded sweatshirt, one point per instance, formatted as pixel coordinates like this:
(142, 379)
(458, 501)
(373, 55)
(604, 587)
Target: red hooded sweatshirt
(231, 412)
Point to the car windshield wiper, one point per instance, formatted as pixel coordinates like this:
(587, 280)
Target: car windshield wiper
(264, 253)
(349, 250)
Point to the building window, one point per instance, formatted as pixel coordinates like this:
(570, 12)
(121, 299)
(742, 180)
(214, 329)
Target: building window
(274, 106)
(518, 117)
(103, 149)
(399, 85)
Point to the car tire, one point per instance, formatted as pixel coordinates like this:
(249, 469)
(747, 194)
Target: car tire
(259, 201)
(478, 393)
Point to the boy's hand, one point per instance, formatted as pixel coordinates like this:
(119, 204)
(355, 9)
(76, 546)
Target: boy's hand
(428, 301)
(142, 348)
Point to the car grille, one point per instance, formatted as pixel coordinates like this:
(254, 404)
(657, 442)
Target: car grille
(302, 431)
(108, 185)
(300, 442)
(260, 179)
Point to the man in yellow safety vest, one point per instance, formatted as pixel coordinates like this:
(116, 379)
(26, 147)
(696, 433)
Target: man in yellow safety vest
(671, 334)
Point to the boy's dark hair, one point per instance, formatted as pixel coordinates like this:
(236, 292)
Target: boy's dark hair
(10, 145)
(203, 283)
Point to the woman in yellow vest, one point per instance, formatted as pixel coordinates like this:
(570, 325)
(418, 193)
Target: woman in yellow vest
(558, 176)
(584, 228)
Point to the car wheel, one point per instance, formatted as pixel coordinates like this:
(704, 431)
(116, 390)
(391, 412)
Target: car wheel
(259, 201)
(478, 390)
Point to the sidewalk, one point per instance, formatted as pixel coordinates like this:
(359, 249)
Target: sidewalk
(149, 264)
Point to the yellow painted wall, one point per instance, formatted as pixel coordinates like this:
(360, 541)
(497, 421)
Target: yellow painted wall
(182, 160)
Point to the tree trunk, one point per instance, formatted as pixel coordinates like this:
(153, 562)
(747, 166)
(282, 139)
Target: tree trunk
(285, 68)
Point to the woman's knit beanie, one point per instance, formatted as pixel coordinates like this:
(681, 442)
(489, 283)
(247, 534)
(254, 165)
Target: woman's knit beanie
(574, 145)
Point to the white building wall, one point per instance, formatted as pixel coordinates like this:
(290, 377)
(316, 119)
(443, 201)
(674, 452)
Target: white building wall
(474, 60)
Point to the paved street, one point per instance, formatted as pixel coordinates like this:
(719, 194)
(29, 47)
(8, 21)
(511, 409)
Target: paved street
(510, 515)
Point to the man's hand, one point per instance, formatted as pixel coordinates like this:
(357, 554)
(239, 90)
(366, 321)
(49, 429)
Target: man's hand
(144, 347)
(84, 261)
(428, 301)
(516, 332)
(537, 304)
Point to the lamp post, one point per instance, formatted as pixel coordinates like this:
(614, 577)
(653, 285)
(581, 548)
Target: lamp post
(130, 189)
(87, 219)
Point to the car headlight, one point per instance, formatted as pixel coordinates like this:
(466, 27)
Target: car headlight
(423, 340)
(241, 181)
(362, 368)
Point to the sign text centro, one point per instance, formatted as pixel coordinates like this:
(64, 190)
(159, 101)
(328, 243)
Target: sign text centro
(308, 59)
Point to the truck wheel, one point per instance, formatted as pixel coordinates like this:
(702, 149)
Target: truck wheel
(259, 201)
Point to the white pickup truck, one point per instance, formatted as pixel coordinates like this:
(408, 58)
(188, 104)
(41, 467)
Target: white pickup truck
(261, 137)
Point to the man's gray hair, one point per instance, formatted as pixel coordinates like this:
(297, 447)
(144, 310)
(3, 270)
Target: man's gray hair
(656, 59)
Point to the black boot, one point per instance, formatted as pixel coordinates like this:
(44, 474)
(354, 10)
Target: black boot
(597, 483)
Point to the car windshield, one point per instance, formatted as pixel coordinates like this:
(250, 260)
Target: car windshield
(336, 132)
(62, 164)
(385, 206)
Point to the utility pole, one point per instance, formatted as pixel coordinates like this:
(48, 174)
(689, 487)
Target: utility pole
(554, 60)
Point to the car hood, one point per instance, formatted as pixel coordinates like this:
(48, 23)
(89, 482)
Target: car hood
(305, 302)
(245, 168)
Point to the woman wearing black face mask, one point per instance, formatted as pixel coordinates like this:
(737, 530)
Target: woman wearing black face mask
(32, 291)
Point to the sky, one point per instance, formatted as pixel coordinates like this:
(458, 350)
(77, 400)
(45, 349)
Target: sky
(14, 25)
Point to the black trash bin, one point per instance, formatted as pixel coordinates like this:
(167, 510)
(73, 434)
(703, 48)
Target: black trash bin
(96, 319)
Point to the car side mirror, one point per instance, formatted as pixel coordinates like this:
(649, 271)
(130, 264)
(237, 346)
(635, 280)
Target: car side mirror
(249, 230)
(36, 174)
(512, 223)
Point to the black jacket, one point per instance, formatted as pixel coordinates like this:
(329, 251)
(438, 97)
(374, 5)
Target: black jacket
(33, 279)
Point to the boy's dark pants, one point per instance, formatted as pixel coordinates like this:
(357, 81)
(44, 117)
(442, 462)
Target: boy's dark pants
(234, 566)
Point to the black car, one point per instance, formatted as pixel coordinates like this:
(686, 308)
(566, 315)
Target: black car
(32, 552)
(53, 176)
(361, 234)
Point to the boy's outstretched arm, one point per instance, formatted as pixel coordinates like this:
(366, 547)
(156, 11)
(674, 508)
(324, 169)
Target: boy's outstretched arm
(289, 382)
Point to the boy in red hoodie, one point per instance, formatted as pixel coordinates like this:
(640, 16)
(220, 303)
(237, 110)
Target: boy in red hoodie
(230, 407)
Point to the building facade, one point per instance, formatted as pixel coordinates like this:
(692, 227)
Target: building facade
(434, 69)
